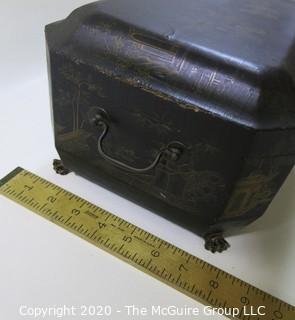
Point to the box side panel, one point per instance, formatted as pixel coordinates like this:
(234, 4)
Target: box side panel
(268, 164)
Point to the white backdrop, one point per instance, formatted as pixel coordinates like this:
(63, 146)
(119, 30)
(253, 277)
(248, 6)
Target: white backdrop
(41, 264)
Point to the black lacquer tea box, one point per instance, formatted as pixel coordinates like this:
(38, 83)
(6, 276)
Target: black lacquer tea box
(185, 107)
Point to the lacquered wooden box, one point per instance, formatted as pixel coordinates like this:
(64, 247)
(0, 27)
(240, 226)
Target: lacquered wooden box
(185, 107)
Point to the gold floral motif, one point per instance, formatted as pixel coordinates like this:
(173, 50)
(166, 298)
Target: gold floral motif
(84, 88)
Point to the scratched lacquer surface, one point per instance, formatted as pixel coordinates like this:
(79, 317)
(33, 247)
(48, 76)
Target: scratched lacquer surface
(208, 75)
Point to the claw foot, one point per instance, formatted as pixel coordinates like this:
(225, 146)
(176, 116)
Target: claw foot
(59, 168)
(215, 242)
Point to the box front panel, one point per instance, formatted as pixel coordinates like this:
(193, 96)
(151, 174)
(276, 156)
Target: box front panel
(140, 125)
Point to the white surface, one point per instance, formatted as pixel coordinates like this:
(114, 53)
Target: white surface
(41, 264)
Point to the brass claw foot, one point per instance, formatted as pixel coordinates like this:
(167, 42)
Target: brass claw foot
(215, 242)
(59, 167)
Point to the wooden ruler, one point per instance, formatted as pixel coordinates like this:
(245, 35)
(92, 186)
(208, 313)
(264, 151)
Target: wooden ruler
(152, 255)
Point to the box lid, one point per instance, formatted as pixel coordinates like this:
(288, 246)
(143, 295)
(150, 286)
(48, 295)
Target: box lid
(232, 58)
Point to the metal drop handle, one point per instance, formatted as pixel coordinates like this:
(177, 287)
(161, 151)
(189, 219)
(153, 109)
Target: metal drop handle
(172, 151)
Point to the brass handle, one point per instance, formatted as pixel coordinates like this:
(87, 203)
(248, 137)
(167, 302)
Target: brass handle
(172, 151)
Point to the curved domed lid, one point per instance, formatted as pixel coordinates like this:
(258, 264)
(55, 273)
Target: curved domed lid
(232, 58)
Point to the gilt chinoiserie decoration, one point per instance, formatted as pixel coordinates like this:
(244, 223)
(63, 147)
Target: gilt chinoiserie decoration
(187, 109)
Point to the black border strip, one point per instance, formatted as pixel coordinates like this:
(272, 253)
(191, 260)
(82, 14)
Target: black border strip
(10, 175)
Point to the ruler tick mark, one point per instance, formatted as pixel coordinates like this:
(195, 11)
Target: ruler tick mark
(138, 253)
